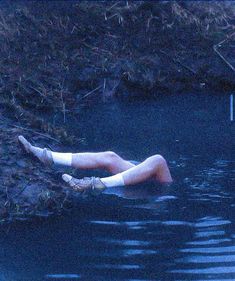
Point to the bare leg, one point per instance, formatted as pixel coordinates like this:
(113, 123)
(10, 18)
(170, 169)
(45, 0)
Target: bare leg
(154, 167)
(108, 160)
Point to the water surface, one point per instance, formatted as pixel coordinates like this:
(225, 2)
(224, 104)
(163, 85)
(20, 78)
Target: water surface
(185, 231)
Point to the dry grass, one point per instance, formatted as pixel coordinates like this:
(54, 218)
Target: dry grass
(54, 52)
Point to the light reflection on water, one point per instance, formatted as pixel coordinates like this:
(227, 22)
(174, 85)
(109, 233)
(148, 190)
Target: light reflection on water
(181, 232)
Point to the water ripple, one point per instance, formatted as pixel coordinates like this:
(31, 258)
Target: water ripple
(208, 242)
(210, 270)
(208, 259)
(226, 249)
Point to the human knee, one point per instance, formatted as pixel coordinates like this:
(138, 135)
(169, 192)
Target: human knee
(110, 157)
(157, 160)
(111, 154)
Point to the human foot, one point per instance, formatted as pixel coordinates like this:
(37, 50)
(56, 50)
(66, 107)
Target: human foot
(86, 185)
(44, 155)
(26, 145)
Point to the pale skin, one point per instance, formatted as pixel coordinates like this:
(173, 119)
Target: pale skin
(154, 167)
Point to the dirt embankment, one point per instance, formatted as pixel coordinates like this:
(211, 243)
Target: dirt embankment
(55, 55)
(28, 188)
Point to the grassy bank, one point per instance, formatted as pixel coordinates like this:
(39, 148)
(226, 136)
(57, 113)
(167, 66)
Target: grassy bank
(55, 55)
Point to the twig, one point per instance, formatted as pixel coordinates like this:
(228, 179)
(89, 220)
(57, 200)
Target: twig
(63, 103)
(91, 92)
(231, 108)
(65, 198)
(38, 91)
(17, 194)
(223, 58)
(7, 193)
(220, 55)
(74, 27)
(64, 111)
(104, 86)
(94, 48)
(114, 15)
(179, 62)
(111, 35)
(115, 4)
(223, 41)
(40, 134)
(8, 199)
(149, 20)
(185, 66)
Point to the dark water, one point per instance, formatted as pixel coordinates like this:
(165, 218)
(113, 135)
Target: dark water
(181, 232)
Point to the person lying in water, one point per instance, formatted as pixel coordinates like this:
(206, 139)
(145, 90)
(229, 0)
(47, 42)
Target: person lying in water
(124, 172)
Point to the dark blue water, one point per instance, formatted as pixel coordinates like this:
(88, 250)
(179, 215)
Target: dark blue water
(149, 232)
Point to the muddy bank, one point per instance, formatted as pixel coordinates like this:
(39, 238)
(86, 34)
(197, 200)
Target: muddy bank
(28, 188)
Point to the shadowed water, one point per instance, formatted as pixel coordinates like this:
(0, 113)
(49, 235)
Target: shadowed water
(185, 231)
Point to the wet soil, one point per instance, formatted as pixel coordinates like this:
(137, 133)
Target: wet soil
(28, 188)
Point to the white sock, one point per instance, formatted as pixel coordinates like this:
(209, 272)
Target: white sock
(116, 180)
(62, 158)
